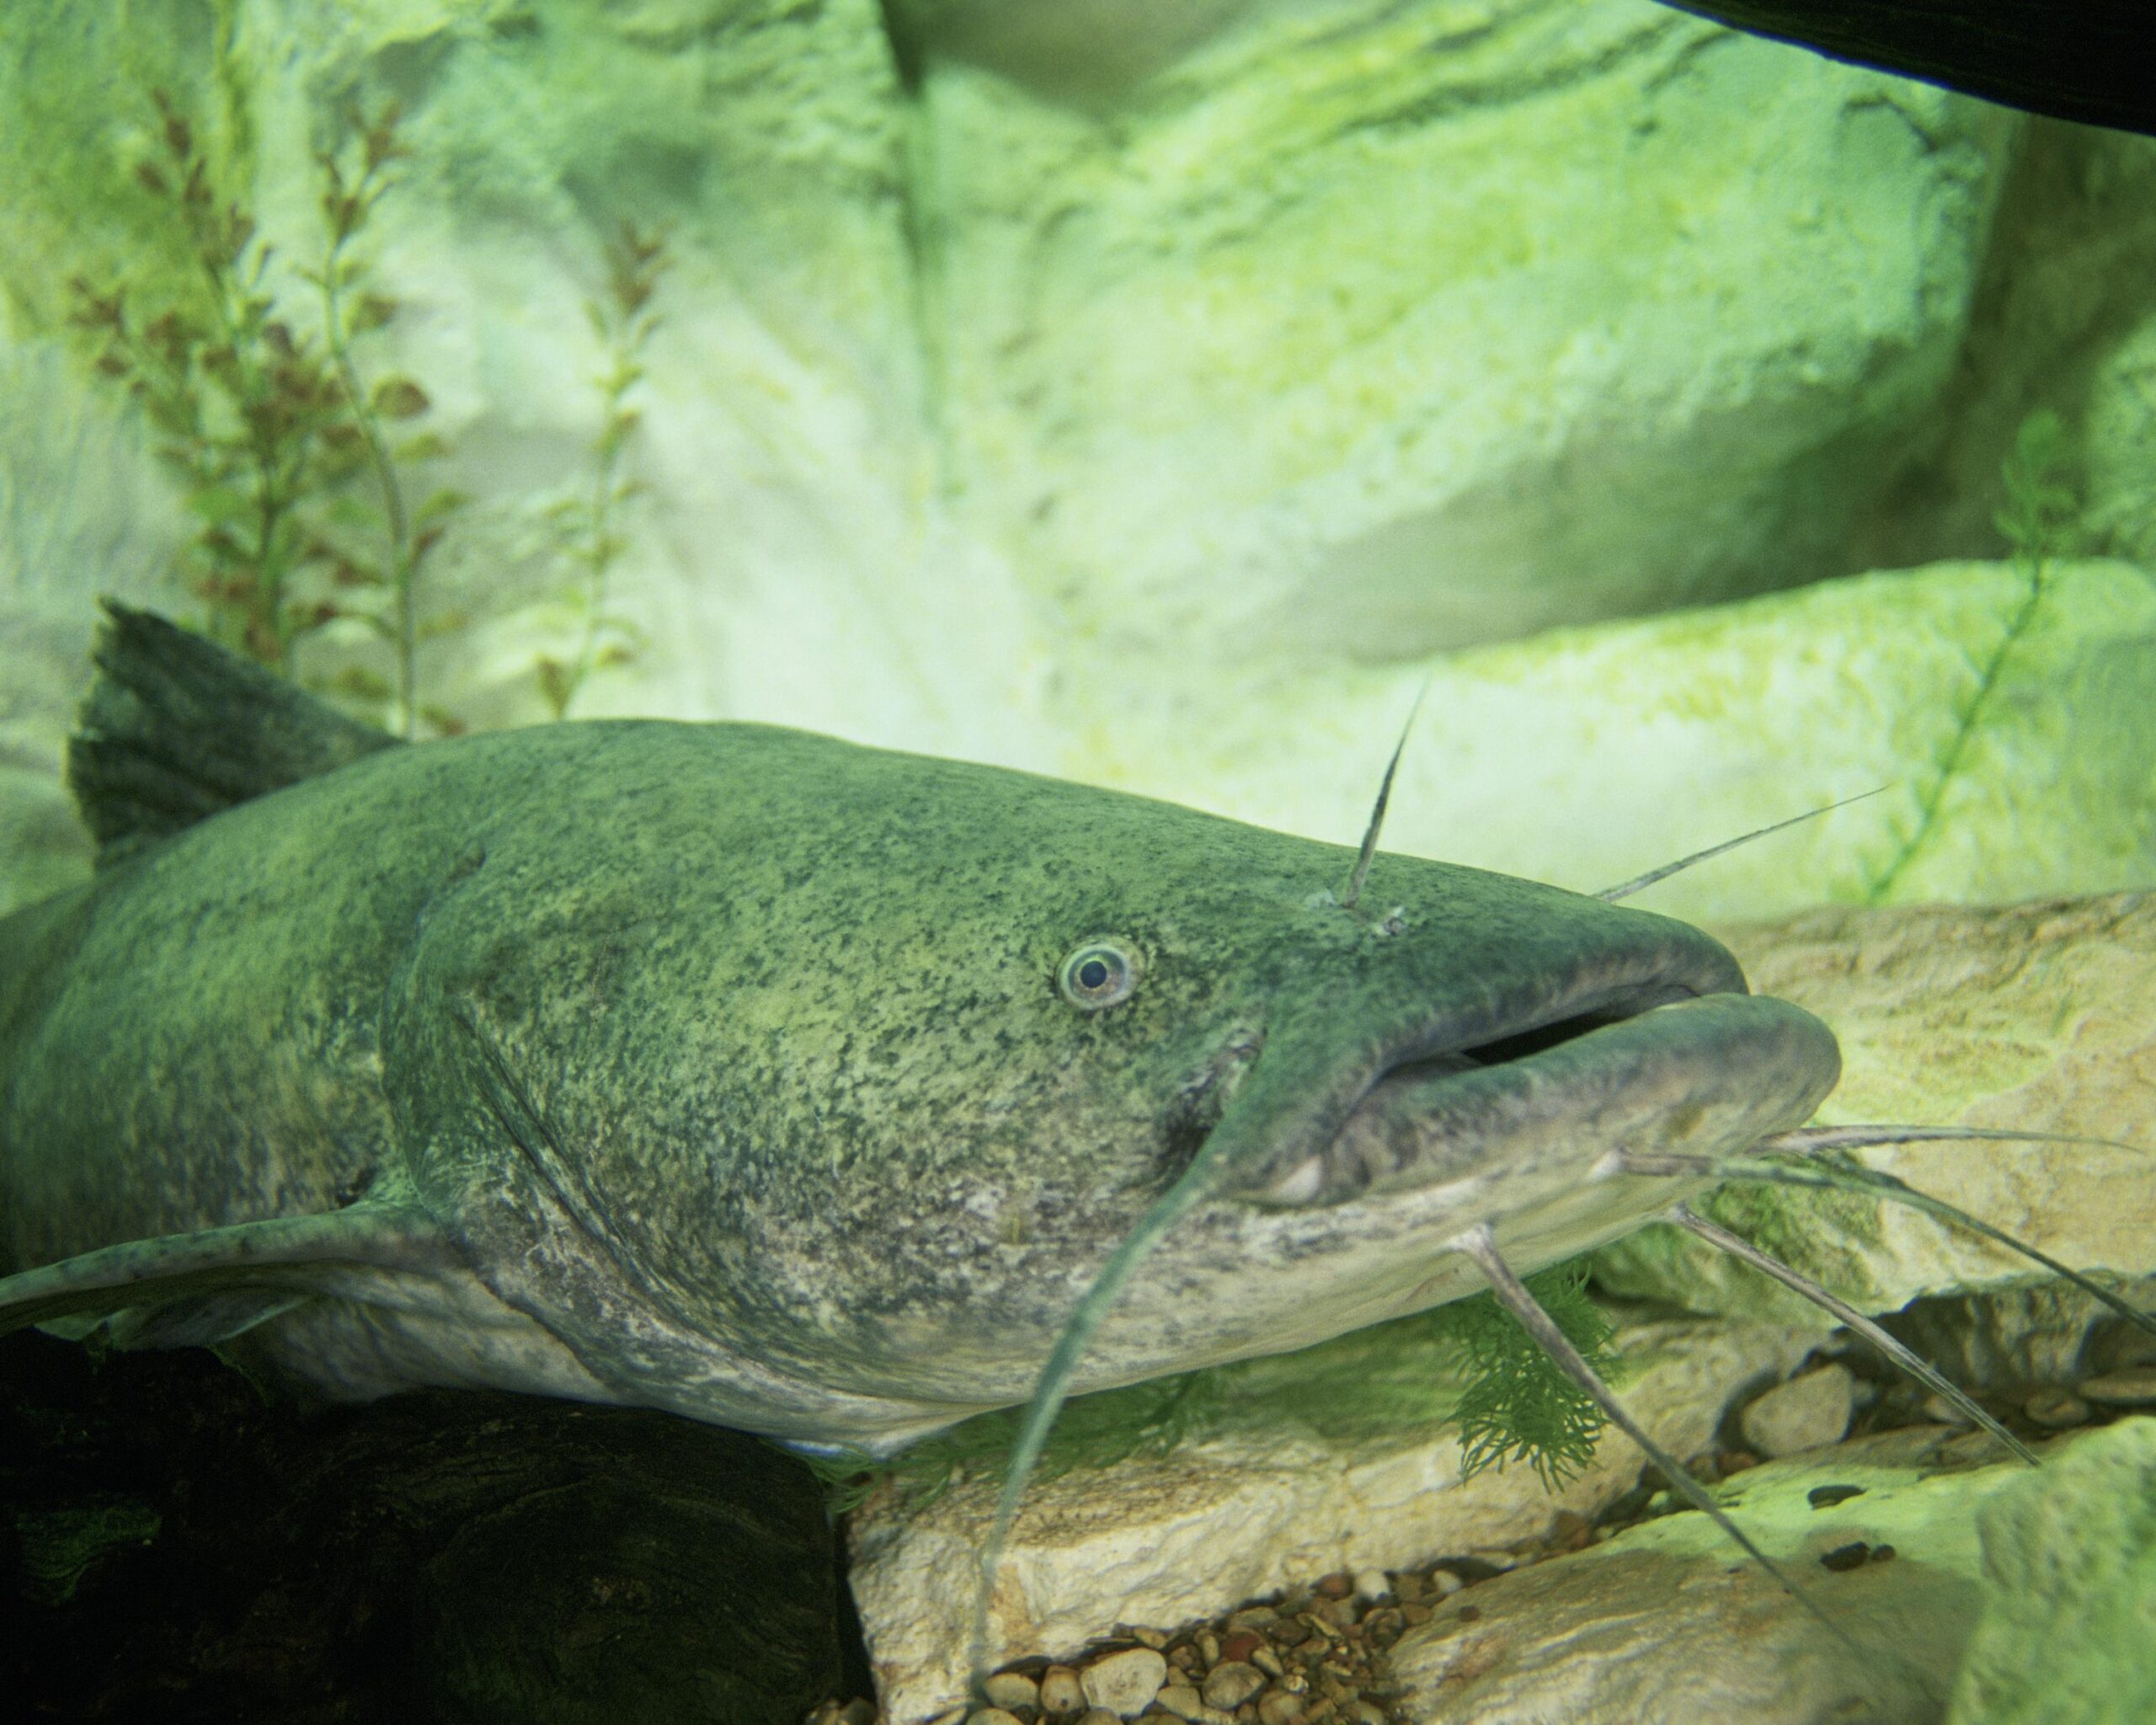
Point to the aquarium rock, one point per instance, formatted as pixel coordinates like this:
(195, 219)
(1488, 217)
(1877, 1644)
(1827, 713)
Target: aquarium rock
(2040, 1016)
(1809, 1412)
(2069, 1560)
(1656, 1622)
(1585, 756)
(1329, 1461)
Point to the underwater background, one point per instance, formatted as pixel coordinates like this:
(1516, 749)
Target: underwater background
(1160, 397)
(1153, 396)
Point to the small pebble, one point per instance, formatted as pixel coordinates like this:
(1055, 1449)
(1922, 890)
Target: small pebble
(1061, 1692)
(2055, 1409)
(1232, 1683)
(1010, 1690)
(1940, 1412)
(1266, 1661)
(1569, 1531)
(858, 1711)
(1809, 1411)
(1371, 1584)
(1826, 1497)
(1338, 1585)
(1854, 1556)
(1446, 1583)
(1125, 1682)
(1882, 1554)
(991, 1716)
(1253, 1617)
(1279, 1707)
(1416, 1613)
(2134, 1387)
(1241, 1644)
(1098, 1716)
(1185, 1702)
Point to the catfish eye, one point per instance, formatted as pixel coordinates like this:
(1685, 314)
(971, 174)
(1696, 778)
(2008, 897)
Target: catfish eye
(1099, 974)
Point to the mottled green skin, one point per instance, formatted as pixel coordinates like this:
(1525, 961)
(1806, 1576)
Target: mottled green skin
(731, 1063)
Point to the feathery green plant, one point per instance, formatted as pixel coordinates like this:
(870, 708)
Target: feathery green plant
(590, 537)
(1518, 1405)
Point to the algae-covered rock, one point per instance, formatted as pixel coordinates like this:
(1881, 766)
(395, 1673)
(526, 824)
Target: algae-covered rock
(1371, 329)
(1665, 1621)
(2008, 760)
(1334, 1459)
(2039, 1017)
(2069, 1555)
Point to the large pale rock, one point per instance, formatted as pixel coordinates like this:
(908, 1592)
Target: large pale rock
(1667, 1622)
(1290, 355)
(2039, 1016)
(1586, 757)
(2070, 1556)
(1324, 1460)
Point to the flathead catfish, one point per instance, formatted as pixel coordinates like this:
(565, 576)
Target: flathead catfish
(789, 1084)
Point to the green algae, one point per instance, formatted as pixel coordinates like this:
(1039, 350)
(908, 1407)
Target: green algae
(60, 1546)
(1467, 1367)
(2069, 1555)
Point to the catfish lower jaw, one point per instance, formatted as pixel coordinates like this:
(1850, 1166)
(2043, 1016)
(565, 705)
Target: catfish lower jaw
(1711, 1074)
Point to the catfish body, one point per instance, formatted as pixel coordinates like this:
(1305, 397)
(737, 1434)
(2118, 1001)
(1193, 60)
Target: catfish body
(745, 1072)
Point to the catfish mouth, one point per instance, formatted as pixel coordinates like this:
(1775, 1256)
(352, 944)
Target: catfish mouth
(1659, 1063)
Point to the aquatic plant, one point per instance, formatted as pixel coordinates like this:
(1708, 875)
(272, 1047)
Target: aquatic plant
(2036, 521)
(282, 450)
(243, 405)
(590, 539)
(1518, 1405)
(393, 538)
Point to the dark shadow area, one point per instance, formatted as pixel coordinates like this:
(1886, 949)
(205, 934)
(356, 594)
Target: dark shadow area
(177, 1548)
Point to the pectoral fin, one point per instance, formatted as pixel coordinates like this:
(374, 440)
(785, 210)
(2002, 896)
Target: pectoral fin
(182, 1290)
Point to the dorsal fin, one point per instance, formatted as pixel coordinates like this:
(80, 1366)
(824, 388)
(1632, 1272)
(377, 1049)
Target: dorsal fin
(175, 729)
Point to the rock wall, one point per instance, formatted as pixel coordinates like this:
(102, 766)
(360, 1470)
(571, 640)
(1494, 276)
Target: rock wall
(1159, 405)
